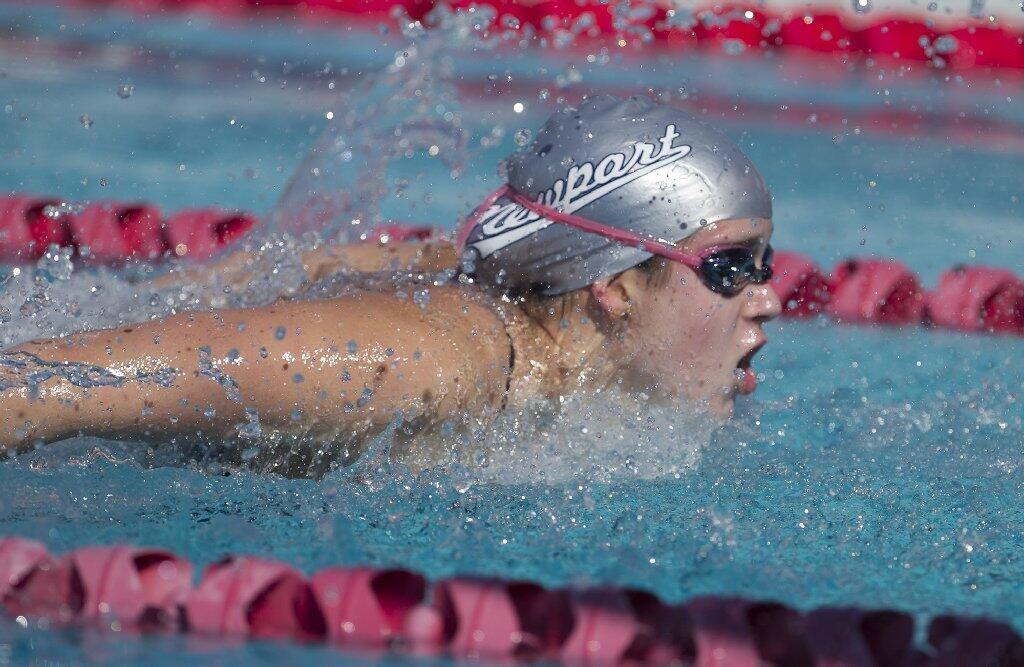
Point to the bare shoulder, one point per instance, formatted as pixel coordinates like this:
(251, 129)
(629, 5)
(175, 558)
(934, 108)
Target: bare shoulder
(442, 351)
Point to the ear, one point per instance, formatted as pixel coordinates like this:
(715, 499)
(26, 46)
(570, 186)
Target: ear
(618, 295)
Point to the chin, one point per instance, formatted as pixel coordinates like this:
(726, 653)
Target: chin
(723, 406)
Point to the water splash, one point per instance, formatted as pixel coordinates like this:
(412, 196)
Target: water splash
(409, 109)
(26, 370)
(208, 368)
(593, 435)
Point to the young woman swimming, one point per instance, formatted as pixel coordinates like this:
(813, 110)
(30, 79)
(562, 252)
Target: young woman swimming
(629, 248)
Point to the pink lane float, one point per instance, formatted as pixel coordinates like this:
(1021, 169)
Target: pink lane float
(113, 232)
(124, 589)
(879, 291)
(910, 40)
(138, 588)
(866, 290)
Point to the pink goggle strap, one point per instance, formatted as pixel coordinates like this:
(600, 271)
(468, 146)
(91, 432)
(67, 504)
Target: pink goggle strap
(622, 236)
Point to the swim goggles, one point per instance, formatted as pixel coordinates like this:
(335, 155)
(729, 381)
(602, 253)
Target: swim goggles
(725, 269)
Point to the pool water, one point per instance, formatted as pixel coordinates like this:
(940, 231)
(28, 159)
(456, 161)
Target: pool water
(875, 467)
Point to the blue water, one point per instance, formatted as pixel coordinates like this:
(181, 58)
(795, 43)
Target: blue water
(874, 467)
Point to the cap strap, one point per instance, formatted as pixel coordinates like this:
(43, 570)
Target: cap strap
(622, 236)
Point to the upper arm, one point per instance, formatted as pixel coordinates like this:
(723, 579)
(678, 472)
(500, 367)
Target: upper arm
(332, 369)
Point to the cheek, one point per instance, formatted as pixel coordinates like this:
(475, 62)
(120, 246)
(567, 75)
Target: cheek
(691, 327)
(683, 321)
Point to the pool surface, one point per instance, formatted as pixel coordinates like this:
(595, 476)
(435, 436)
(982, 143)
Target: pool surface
(875, 467)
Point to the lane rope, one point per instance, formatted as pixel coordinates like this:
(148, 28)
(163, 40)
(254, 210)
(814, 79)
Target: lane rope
(128, 589)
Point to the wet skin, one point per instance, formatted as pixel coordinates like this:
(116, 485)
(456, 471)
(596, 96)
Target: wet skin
(341, 369)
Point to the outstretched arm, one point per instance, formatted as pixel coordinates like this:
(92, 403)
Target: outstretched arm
(335, 368)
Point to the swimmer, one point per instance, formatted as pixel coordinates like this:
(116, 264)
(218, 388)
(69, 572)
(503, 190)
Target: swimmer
(628, 249)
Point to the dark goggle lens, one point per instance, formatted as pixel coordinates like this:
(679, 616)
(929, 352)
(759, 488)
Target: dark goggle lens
(729, 271)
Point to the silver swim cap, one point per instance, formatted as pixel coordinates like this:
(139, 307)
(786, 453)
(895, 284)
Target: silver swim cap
(647, 169)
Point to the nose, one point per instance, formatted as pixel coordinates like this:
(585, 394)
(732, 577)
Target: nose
(762, 303)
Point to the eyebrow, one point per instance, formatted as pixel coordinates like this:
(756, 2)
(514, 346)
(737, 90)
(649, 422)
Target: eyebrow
(748, 235)
(750, 241)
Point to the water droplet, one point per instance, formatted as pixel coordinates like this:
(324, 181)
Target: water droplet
(351, 346)
(86, 121)
(280, 332)
(733, 47)
(421, 298)
(125, 90)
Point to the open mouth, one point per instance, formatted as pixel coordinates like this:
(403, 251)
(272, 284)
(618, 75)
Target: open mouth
(745, 376)
(748, 358)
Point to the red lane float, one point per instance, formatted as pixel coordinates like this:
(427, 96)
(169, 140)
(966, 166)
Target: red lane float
(849, 636)
(200, 233)
(140, 588)
(112, 232)
(37, 583)
(973, 641)
(875, 291)
(46, 227)
(819, 33)
(363, 10)
(732, 28)
(492, 619)
(776, 631)
(96, 232)
(799, 284)
(252, 597)
(366, 607)
(607, 629)
(959, 42)
(722, 632)
(136, 586)
(15, 237)
(977, 298)
(899, 39)
(984, 46)
(28, 227)
(18, 560)
(107, 232)
(142, 227)
(487, 619)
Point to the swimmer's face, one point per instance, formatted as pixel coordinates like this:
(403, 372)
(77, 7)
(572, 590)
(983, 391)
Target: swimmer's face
(685, 339)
